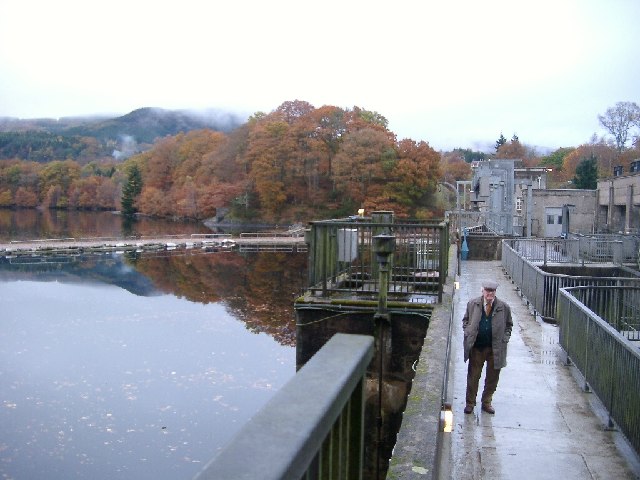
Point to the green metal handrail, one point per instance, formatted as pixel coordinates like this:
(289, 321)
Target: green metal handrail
(541, 288)
(314, 426)
(598, 346)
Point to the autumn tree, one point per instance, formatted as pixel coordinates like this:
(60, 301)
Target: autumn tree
(556, 162)
(454, 167)
(555, 159)
(106, 194)
(268, 153)
(414, 177)
(312, 138)
(15, 174)
(222, 178)
(330, 130)
(159, 163)
(363, 163)
(511, 149)
(6, 198)
(25, 198)
(619, 120)
(291, 111)
(155, 202)
(55, 198)
(55, 179)
(83, 193)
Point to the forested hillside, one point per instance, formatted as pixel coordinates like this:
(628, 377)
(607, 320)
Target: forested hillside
(293, 164)
(90, 139)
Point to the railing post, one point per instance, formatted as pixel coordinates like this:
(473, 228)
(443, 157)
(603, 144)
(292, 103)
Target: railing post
(383, 246)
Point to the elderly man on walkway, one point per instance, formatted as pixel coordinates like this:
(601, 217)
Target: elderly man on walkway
(487, 328)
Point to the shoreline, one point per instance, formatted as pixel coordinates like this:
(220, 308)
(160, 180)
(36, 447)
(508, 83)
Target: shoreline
(211, 241)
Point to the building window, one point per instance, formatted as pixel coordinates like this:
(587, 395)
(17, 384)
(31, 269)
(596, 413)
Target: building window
(550, 219)
(559, 219)
(519, 204)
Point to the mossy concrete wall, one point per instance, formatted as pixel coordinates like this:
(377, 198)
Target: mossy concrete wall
(415, 455)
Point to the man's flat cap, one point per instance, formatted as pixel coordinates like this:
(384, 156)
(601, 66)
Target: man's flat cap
(489, 285)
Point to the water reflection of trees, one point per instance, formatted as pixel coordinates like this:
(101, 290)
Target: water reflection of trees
(31, 223)
(258, 288)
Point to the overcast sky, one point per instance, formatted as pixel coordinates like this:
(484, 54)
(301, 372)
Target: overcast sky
(452, 73)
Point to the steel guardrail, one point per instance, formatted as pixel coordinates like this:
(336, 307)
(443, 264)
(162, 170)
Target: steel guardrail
(541, 288)
(609, 362)
(312, 428)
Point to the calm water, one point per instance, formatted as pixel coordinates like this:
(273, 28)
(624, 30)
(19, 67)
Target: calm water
(27, 224)
(138, 367)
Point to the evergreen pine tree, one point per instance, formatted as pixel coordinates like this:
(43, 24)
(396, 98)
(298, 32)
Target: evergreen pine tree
(587, 174)
(130, 190)
(501, 141)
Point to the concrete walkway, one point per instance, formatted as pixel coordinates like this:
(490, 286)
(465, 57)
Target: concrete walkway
(545, 426)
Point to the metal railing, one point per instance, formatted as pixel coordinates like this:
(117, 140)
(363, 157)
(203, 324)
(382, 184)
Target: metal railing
(609, 363)
(603, 242)
(580, 249)
(342, 259)
(314, 426)
(618, 306)
(485, 222)
(541, 288)
(499, 223)
(466, 219)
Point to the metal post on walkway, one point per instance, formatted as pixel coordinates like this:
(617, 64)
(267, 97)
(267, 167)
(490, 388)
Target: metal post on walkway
(383, 246)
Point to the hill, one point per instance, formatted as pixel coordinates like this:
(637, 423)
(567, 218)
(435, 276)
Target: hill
(89, 138)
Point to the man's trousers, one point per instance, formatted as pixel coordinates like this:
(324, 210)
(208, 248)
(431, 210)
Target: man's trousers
(477, 359)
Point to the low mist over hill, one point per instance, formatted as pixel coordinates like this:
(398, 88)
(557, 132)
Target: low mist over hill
(88, 138)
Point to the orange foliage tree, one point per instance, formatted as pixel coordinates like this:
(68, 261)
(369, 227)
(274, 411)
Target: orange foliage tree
(454, 167)
(415, 176)
(363, 164)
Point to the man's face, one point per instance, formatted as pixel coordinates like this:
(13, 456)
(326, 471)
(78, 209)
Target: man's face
(489, 294)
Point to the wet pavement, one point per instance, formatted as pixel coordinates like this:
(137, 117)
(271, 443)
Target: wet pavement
(545, 425)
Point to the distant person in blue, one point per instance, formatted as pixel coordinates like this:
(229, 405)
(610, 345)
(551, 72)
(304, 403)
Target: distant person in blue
(487, 328)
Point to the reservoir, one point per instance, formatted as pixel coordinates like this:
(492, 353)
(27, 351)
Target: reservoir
(120, 366)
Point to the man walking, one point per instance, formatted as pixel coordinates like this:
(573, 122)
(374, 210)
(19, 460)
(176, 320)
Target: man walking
(487, 328)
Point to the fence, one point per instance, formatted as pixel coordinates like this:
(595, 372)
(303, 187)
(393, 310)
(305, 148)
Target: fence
(607, 248)
(313, 428)
(580, 250)
(607, 360)
(540, 287)
(618, 306)
(485, 222)
(342, 260)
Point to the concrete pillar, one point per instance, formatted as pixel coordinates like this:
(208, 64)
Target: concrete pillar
(611, 208)
(529, 210)
(627, 213)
